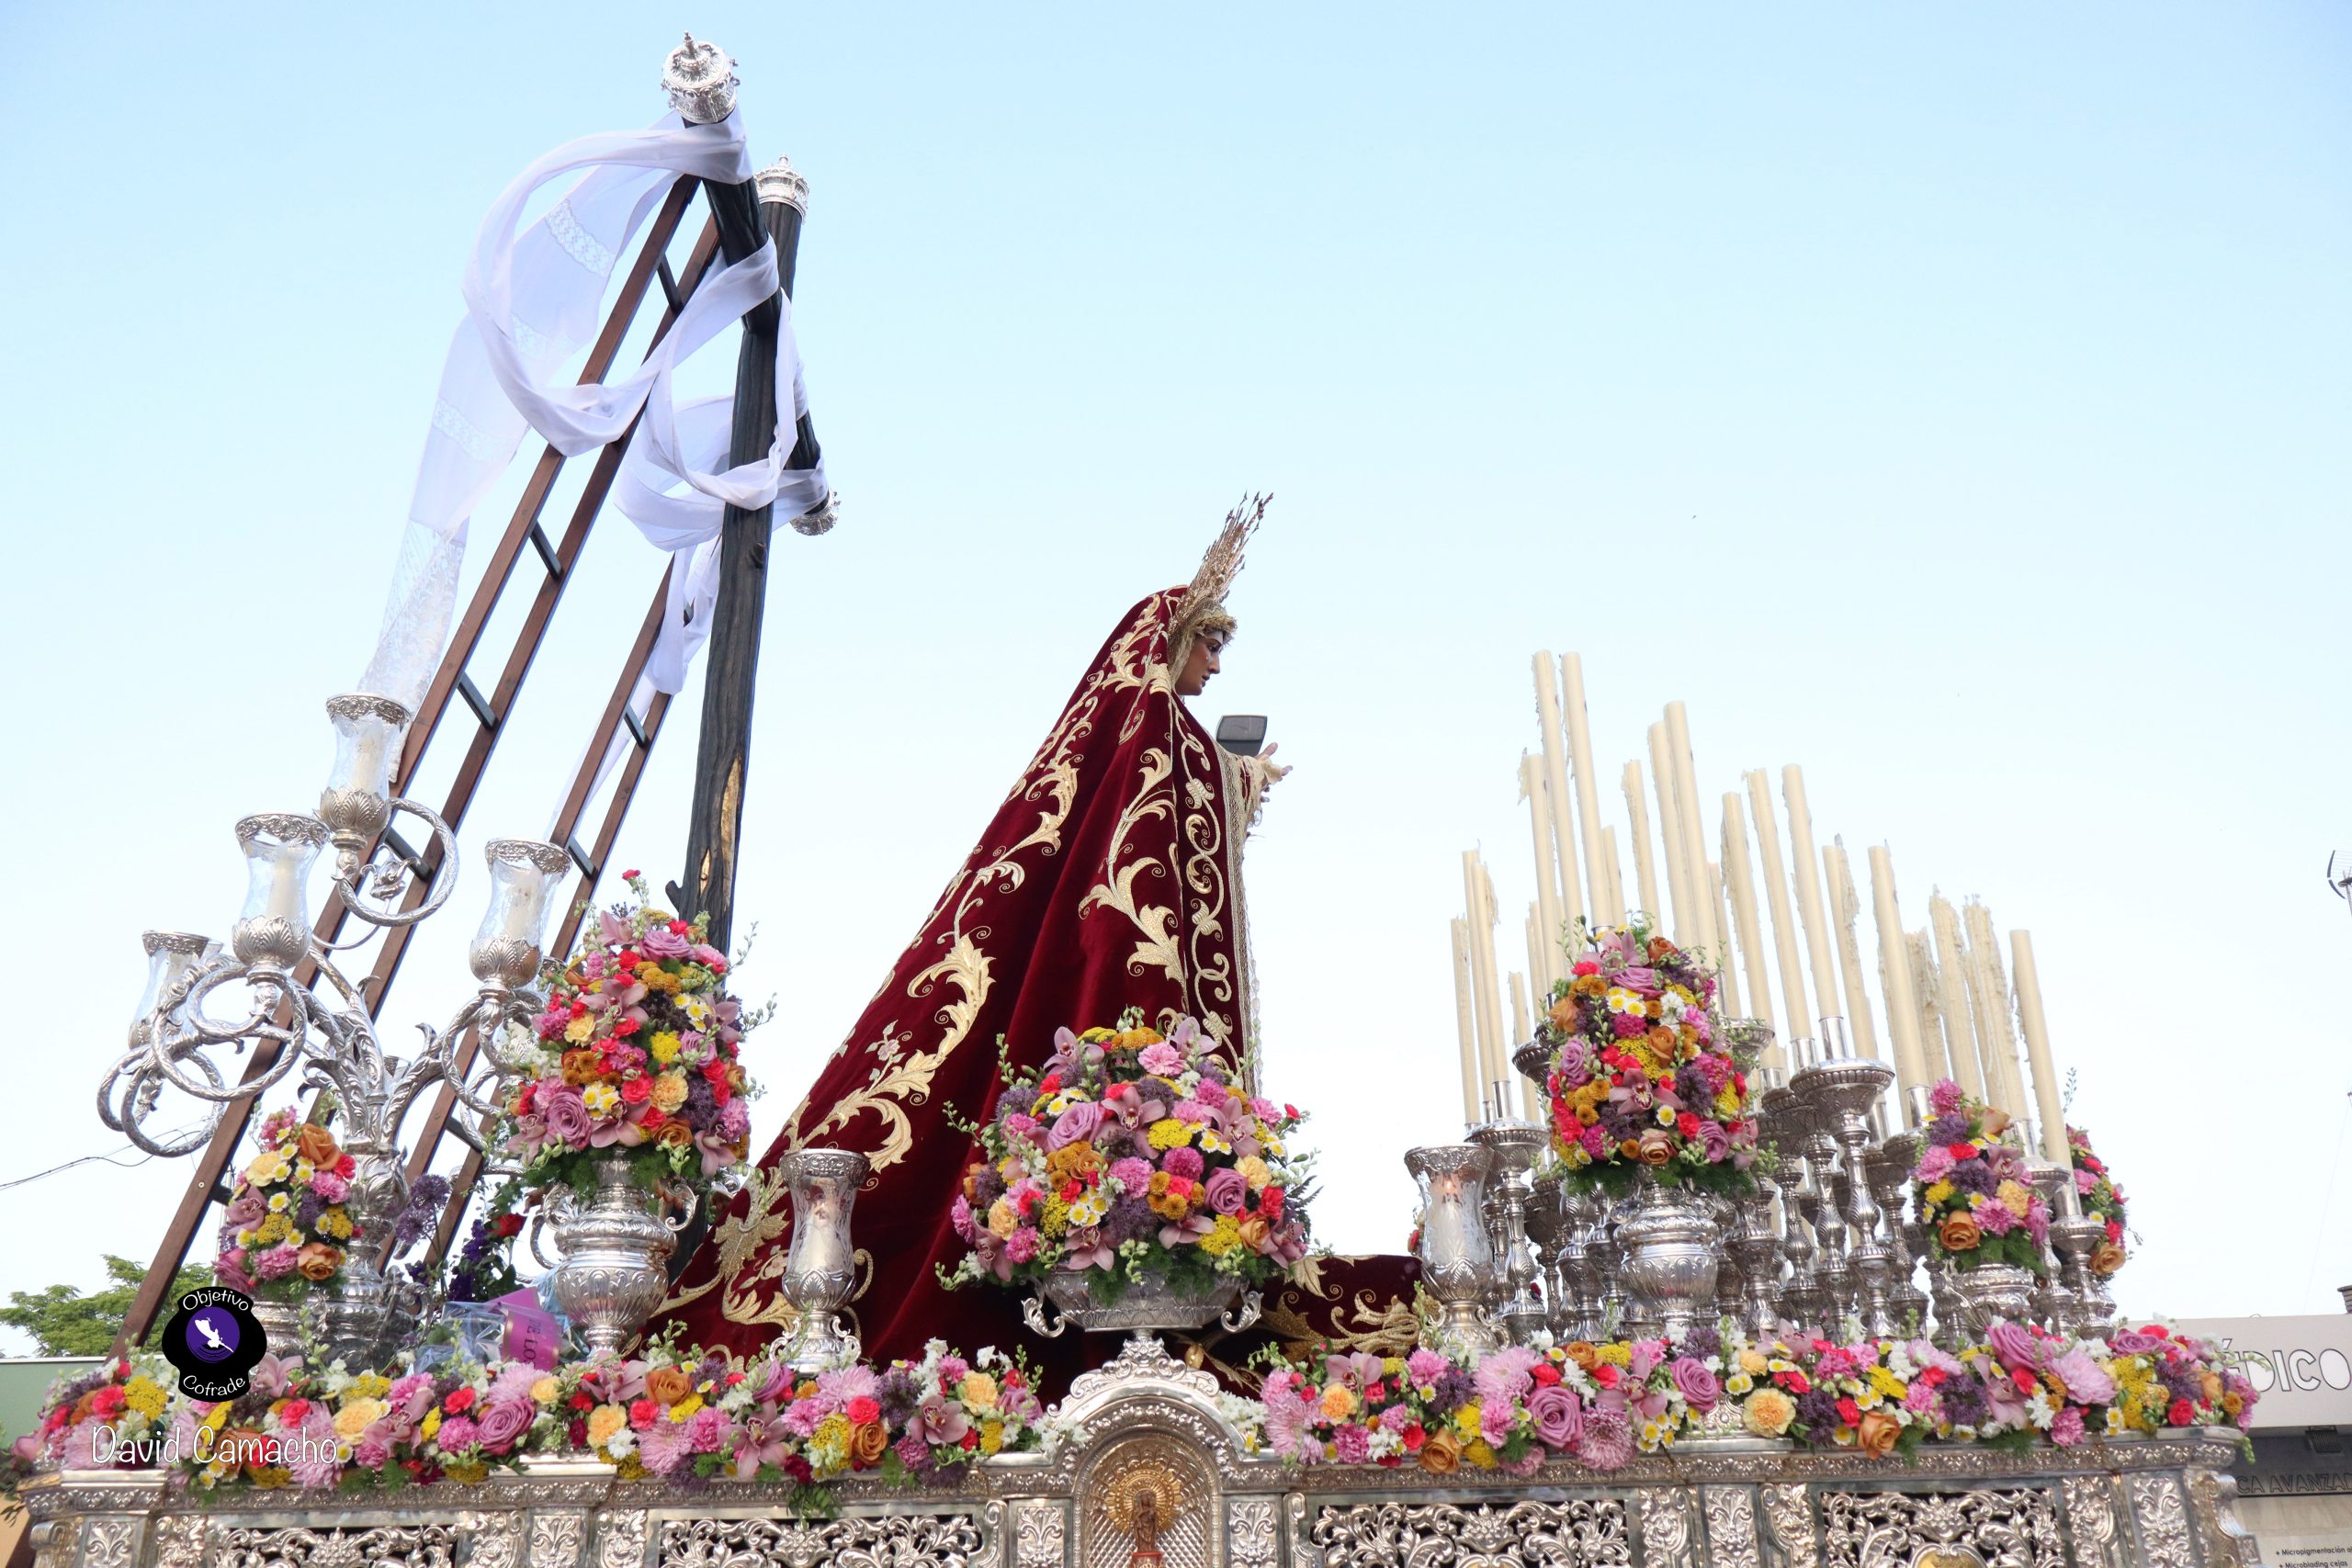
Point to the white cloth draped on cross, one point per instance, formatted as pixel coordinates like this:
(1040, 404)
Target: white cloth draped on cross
(532, 300)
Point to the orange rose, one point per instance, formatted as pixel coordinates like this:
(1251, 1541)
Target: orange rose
(242, 1446)
(2108, 1258)
(868, 1443)
(1875, 1437)
(1254, 1232)
(667, 1385)
(1582, 1353)
(1662, 948)
(1959, 1233)
(318, 1261)
(317, 1146)
(2209, 1387)
(1655, 1148)
(676, 1134)
(1994, 1122)
(1565, 1014)
(1441, 1455)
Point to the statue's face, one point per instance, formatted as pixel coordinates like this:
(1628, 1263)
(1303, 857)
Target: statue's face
(1200, 664)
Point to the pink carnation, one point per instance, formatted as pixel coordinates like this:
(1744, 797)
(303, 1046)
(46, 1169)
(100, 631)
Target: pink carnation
(1162, 1059)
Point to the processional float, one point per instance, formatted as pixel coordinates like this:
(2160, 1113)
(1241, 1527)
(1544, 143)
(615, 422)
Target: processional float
(1656, 1374)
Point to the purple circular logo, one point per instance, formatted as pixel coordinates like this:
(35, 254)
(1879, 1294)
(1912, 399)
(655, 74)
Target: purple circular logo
(213, 1335)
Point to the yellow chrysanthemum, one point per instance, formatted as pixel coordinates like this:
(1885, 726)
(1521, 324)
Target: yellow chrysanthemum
(684, 1409)
(992, 1436)
(431, 1424)
(1617, 1354)
(272, 1230)
(1224, 1236)
(1052, 1215)
(140, 1394)
(1465, 1420)
(335, 1222)
(1481, 1453)
(664, 1045)
(1938, 1193)
(1168, 1132)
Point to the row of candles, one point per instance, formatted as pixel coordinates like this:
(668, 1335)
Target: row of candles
(1825, 1243)
(1947, 1000)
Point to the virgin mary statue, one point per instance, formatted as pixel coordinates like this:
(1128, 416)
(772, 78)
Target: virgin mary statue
(1109, 879)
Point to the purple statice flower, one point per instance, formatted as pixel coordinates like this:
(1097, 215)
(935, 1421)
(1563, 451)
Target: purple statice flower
(1130, 1219)
(1950, 1128)
(2180, 1381)
(1817, 1413)
(1964, 1401)
(701, 1109)
(1453, 1387)
(307, 1212)
(1703, 1340)
(987, 1186)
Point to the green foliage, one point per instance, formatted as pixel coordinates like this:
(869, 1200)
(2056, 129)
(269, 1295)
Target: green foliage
(64, 1321)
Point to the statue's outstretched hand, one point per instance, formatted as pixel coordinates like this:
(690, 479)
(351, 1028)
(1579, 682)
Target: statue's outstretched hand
(1274, 772)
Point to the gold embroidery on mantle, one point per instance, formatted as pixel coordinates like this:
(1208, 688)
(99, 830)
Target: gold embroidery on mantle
(1383, 1326)
(1117, 891)
(900, 1079)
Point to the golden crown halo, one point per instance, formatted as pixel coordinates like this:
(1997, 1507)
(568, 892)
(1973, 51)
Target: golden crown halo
(1203, 608)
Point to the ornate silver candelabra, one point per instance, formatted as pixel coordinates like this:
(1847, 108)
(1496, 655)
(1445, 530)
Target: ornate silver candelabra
(300, 1010)
(1786, 1126)
(1844, 1089)
(1889, 1167)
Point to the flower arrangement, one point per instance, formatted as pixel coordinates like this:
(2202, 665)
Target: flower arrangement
(288, 1225)
(1974, 1195)
(1510, 1411)
(1130, 1153)
(671, 1415)
(1642, 1076)
(1599, 1404)
(636, 1051)
(2101, 1199)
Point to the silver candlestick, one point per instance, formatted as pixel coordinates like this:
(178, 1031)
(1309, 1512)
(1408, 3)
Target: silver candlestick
(1835, 1269)
(2053, 1299)
(1514, 1145)
(1847, 1090)
(1784, 1126)
(1889, 1166)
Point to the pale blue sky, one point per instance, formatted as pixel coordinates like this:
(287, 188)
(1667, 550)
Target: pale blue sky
(1951, 400)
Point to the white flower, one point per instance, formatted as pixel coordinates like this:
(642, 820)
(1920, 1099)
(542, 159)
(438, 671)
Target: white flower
(2040, 1411)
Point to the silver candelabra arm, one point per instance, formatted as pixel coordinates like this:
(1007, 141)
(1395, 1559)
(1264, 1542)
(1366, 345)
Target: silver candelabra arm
(359, 881)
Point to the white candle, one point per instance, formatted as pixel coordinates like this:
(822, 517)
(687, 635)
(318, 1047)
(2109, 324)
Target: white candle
(1952, 997)
(1637, 827)
(1895, 977)
(1727, 972)
(1694, 837)
(1807, 867)
(1466, 1016)
(1935, 1039)
(1492, 1025)
(1773, 871)
(285, 891)
(1846, 910)
(2047, 1096)
(1607, 900)
(1560, 813)
(1683, 928)
(2000, 1038)
(1521, 1031)
(1751, 927)
(1616, 901)
(1547, 904)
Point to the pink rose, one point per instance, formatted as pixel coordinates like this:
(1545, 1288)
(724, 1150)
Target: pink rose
(1075, 1125)
(1559, 1416)
(1228, 1190)
(1700, 1387)
(504, 1421)
(661, 943)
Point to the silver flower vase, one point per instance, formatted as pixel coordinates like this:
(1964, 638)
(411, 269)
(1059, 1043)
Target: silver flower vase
(1989, 1293)
(1148, 1306)
(820, 1269)
(1670, 1241)
(615, 1245)
(1456, 1254)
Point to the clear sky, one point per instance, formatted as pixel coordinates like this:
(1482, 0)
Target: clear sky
(1951, 399)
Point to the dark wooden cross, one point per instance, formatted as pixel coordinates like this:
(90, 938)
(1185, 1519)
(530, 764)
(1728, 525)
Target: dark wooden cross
(731, 660)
